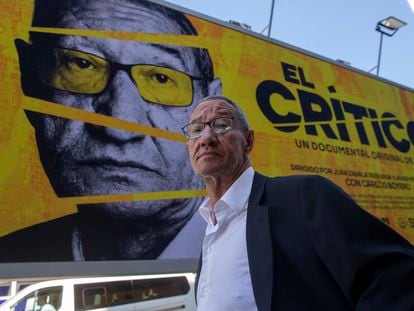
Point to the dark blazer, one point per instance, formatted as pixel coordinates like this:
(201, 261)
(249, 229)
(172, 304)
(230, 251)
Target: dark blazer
(310, 247)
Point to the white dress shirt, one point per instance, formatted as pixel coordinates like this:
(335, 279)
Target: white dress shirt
(225, 282)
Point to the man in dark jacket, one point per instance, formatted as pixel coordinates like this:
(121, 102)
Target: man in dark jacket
(286, 243)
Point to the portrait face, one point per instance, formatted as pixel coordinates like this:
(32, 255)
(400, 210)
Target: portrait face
(218, 155)
(148, 84)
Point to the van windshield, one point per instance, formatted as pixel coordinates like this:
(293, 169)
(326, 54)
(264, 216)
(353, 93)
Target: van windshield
(34, 301)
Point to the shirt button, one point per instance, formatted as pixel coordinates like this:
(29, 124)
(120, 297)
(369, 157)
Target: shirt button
(205, 289)
(209, 250)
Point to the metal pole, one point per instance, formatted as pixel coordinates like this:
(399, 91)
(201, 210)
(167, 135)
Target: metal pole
(271, 18)
(379, 54)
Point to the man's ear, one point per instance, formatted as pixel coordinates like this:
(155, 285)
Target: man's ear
(215, 87)
(249, 141)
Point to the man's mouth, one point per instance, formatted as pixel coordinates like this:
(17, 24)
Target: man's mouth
(206, 154)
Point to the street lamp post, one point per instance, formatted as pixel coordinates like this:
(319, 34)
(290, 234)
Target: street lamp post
(389, 27)
(271, 18)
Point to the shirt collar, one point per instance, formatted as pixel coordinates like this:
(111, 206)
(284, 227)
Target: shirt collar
(235, 197)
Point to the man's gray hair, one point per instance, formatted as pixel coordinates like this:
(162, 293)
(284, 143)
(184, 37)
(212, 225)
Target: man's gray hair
(241, 116)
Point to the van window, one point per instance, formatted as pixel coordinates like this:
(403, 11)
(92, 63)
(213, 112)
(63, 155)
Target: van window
(100, 295)
(160, 288)
(35, 300)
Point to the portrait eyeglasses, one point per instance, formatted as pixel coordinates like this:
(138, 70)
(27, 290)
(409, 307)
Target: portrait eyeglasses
(218, 125)
(84, 73)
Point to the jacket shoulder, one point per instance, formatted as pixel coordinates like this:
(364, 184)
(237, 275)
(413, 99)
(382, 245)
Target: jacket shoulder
(302, 183)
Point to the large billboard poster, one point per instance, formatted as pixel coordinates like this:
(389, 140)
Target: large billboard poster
(94, 94)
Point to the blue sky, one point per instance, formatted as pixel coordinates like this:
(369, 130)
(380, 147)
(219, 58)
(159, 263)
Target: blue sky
(331, 28)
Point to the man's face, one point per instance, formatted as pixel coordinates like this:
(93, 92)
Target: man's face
(85, 159)
(219, 155)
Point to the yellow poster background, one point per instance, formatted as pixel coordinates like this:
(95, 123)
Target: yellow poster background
(243, 62)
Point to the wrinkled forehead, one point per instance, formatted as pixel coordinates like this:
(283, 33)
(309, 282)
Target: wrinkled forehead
(212, 109)
(116, 15)
(129, 16)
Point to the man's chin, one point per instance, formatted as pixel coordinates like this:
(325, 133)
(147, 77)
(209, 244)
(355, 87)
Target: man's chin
(210, 171)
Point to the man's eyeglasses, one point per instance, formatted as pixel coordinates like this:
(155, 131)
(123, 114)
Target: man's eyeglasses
(218, 125)
(79, 72)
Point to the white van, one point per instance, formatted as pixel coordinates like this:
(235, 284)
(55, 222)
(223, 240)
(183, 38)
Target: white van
(126, 293)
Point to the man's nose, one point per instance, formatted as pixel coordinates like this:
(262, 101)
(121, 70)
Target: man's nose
(208, 136)
(123, 101)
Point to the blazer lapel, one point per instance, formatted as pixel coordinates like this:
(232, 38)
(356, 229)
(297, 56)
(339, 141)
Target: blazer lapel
(259, 245)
